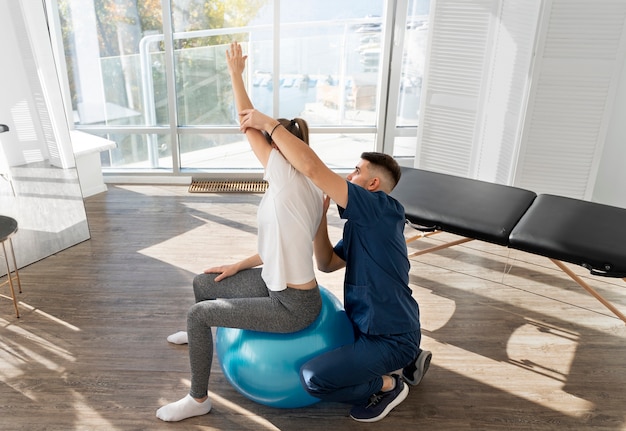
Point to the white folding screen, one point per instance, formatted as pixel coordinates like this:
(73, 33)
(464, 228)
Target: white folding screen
(453, 84)
(520, 91)
(577, 69)
(508, 77)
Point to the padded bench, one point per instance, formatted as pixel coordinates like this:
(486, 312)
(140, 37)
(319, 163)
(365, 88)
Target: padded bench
(470, 208)
(584, 233)
(562, 229)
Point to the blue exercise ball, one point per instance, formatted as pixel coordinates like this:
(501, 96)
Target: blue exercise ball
(265, 367)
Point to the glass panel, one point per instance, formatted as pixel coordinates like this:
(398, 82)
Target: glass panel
(39, 185)
(114, 59)
(137, 151)
(329, 61)
(413, 59)
(201, 37)
(404, 147)
(342, 150)
(217, 151)
(329, 70)
(233, 151)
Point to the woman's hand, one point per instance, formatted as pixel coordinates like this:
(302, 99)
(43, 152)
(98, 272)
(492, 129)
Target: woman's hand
(232, 269)
(235, 59)
(326, 204)
(223, 271)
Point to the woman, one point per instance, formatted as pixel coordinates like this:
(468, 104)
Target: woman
(283, 295)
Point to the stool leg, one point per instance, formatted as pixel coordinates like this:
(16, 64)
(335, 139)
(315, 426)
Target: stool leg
(17, 274)
(10, 279)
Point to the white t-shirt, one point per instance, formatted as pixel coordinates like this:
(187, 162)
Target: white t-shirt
(288, 217)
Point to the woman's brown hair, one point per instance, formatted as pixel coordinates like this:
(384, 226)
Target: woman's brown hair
(297, 127)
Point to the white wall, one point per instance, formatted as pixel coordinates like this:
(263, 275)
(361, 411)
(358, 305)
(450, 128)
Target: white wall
(610, 187)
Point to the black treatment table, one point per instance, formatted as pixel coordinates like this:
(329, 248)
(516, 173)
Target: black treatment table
(562, 229)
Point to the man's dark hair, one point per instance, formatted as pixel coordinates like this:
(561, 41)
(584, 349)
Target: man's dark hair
(385, 162)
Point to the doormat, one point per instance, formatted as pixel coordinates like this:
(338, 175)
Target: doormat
(227, 186)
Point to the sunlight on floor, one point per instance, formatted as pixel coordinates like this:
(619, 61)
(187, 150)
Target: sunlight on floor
(247, 414)
(489, 372)
(28, 307)
(551, 341)
(85, 414)
(25, 348)
(202, 234)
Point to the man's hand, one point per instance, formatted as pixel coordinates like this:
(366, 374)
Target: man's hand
(253, 119)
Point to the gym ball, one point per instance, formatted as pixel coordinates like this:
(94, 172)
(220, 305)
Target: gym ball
(265, 367)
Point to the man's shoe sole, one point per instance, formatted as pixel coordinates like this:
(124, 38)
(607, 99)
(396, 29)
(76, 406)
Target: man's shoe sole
(424, 368)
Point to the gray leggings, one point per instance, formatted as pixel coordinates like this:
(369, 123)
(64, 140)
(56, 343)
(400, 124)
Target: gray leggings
(241, 301)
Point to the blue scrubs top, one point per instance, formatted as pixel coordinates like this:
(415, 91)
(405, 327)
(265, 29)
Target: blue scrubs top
(377, 297)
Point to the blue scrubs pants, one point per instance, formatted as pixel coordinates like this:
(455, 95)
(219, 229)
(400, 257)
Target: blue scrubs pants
(352, 373)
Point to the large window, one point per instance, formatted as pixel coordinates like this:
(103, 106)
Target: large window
(151, 75)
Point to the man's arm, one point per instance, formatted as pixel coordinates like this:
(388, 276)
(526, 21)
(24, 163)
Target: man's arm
(236, 65)
(299, 154)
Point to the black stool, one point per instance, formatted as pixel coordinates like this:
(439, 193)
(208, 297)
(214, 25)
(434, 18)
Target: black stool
(8, 227)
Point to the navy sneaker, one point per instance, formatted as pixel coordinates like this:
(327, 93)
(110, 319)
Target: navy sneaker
(381, 403)
(415, 371)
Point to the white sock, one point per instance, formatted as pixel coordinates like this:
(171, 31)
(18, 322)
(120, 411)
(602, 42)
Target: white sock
(178, 338)
(183, 409)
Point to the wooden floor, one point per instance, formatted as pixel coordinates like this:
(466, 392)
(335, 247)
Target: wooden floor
(516, 344)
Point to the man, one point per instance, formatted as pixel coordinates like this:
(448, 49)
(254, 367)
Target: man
(377, 297)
